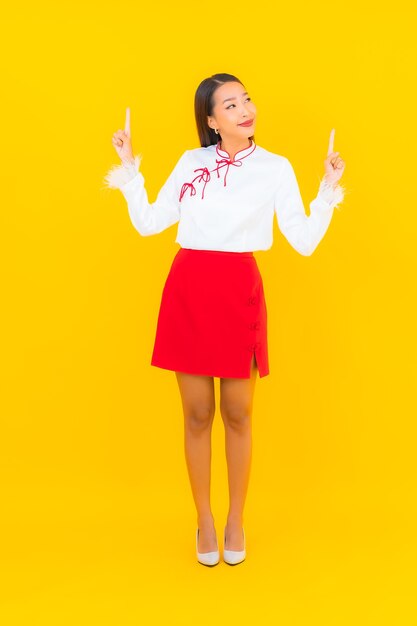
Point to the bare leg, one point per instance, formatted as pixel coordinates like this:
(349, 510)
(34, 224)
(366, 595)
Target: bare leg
(236, 409)
(198, 401)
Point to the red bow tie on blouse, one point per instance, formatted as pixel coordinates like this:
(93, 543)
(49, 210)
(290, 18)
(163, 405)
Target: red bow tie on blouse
(205, 173)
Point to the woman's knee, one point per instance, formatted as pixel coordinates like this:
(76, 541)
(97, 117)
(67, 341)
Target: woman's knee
(198, 400)
(199, 417)
(236, 401)
(236, 415)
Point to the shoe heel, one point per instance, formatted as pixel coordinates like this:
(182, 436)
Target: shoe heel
(233, 557)
(206, 558)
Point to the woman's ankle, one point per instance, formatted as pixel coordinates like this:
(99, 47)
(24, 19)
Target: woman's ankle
(205, 521)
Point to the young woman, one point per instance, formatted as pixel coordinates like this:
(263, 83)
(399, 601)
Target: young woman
(213, 318)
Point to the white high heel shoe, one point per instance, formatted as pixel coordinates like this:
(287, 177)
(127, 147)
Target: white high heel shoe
(206, 558)
(233, 557)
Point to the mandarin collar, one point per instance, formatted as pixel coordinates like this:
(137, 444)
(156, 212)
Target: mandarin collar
(239, 155)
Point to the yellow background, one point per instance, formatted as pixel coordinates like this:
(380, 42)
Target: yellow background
(97, 521)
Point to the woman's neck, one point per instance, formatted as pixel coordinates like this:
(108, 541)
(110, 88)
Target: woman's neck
(232, 148)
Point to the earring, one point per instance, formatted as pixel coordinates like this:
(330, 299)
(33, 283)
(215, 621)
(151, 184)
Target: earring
(216, 131)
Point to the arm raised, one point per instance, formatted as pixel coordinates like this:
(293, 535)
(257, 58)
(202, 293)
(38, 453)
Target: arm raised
(304, 232)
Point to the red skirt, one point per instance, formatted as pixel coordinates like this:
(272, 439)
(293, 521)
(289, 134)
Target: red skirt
(212, 317)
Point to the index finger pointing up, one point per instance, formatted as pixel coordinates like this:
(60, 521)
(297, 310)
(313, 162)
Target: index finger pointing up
(331, 141)
(127, 122)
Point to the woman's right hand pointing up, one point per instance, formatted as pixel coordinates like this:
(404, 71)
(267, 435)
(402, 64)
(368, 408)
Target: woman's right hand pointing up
(122, 141)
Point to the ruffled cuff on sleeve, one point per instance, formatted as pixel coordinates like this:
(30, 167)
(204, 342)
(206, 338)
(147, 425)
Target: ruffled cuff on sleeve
(332, 196)
(119, 175)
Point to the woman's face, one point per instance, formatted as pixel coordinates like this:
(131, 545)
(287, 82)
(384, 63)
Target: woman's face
(232, 106)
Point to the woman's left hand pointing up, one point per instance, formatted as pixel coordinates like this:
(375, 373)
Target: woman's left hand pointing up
(334, 164)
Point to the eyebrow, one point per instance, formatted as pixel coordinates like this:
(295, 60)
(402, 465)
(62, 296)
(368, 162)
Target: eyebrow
(234, 98)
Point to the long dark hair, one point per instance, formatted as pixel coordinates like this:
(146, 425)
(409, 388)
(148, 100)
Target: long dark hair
(203, 106)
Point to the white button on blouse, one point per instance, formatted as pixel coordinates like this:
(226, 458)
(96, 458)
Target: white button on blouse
(225, 204)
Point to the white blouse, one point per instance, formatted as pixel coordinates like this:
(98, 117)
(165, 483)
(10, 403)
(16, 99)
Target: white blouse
(224, 204)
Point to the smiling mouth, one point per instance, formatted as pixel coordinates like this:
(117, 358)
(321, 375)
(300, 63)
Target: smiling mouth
(249, 123)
